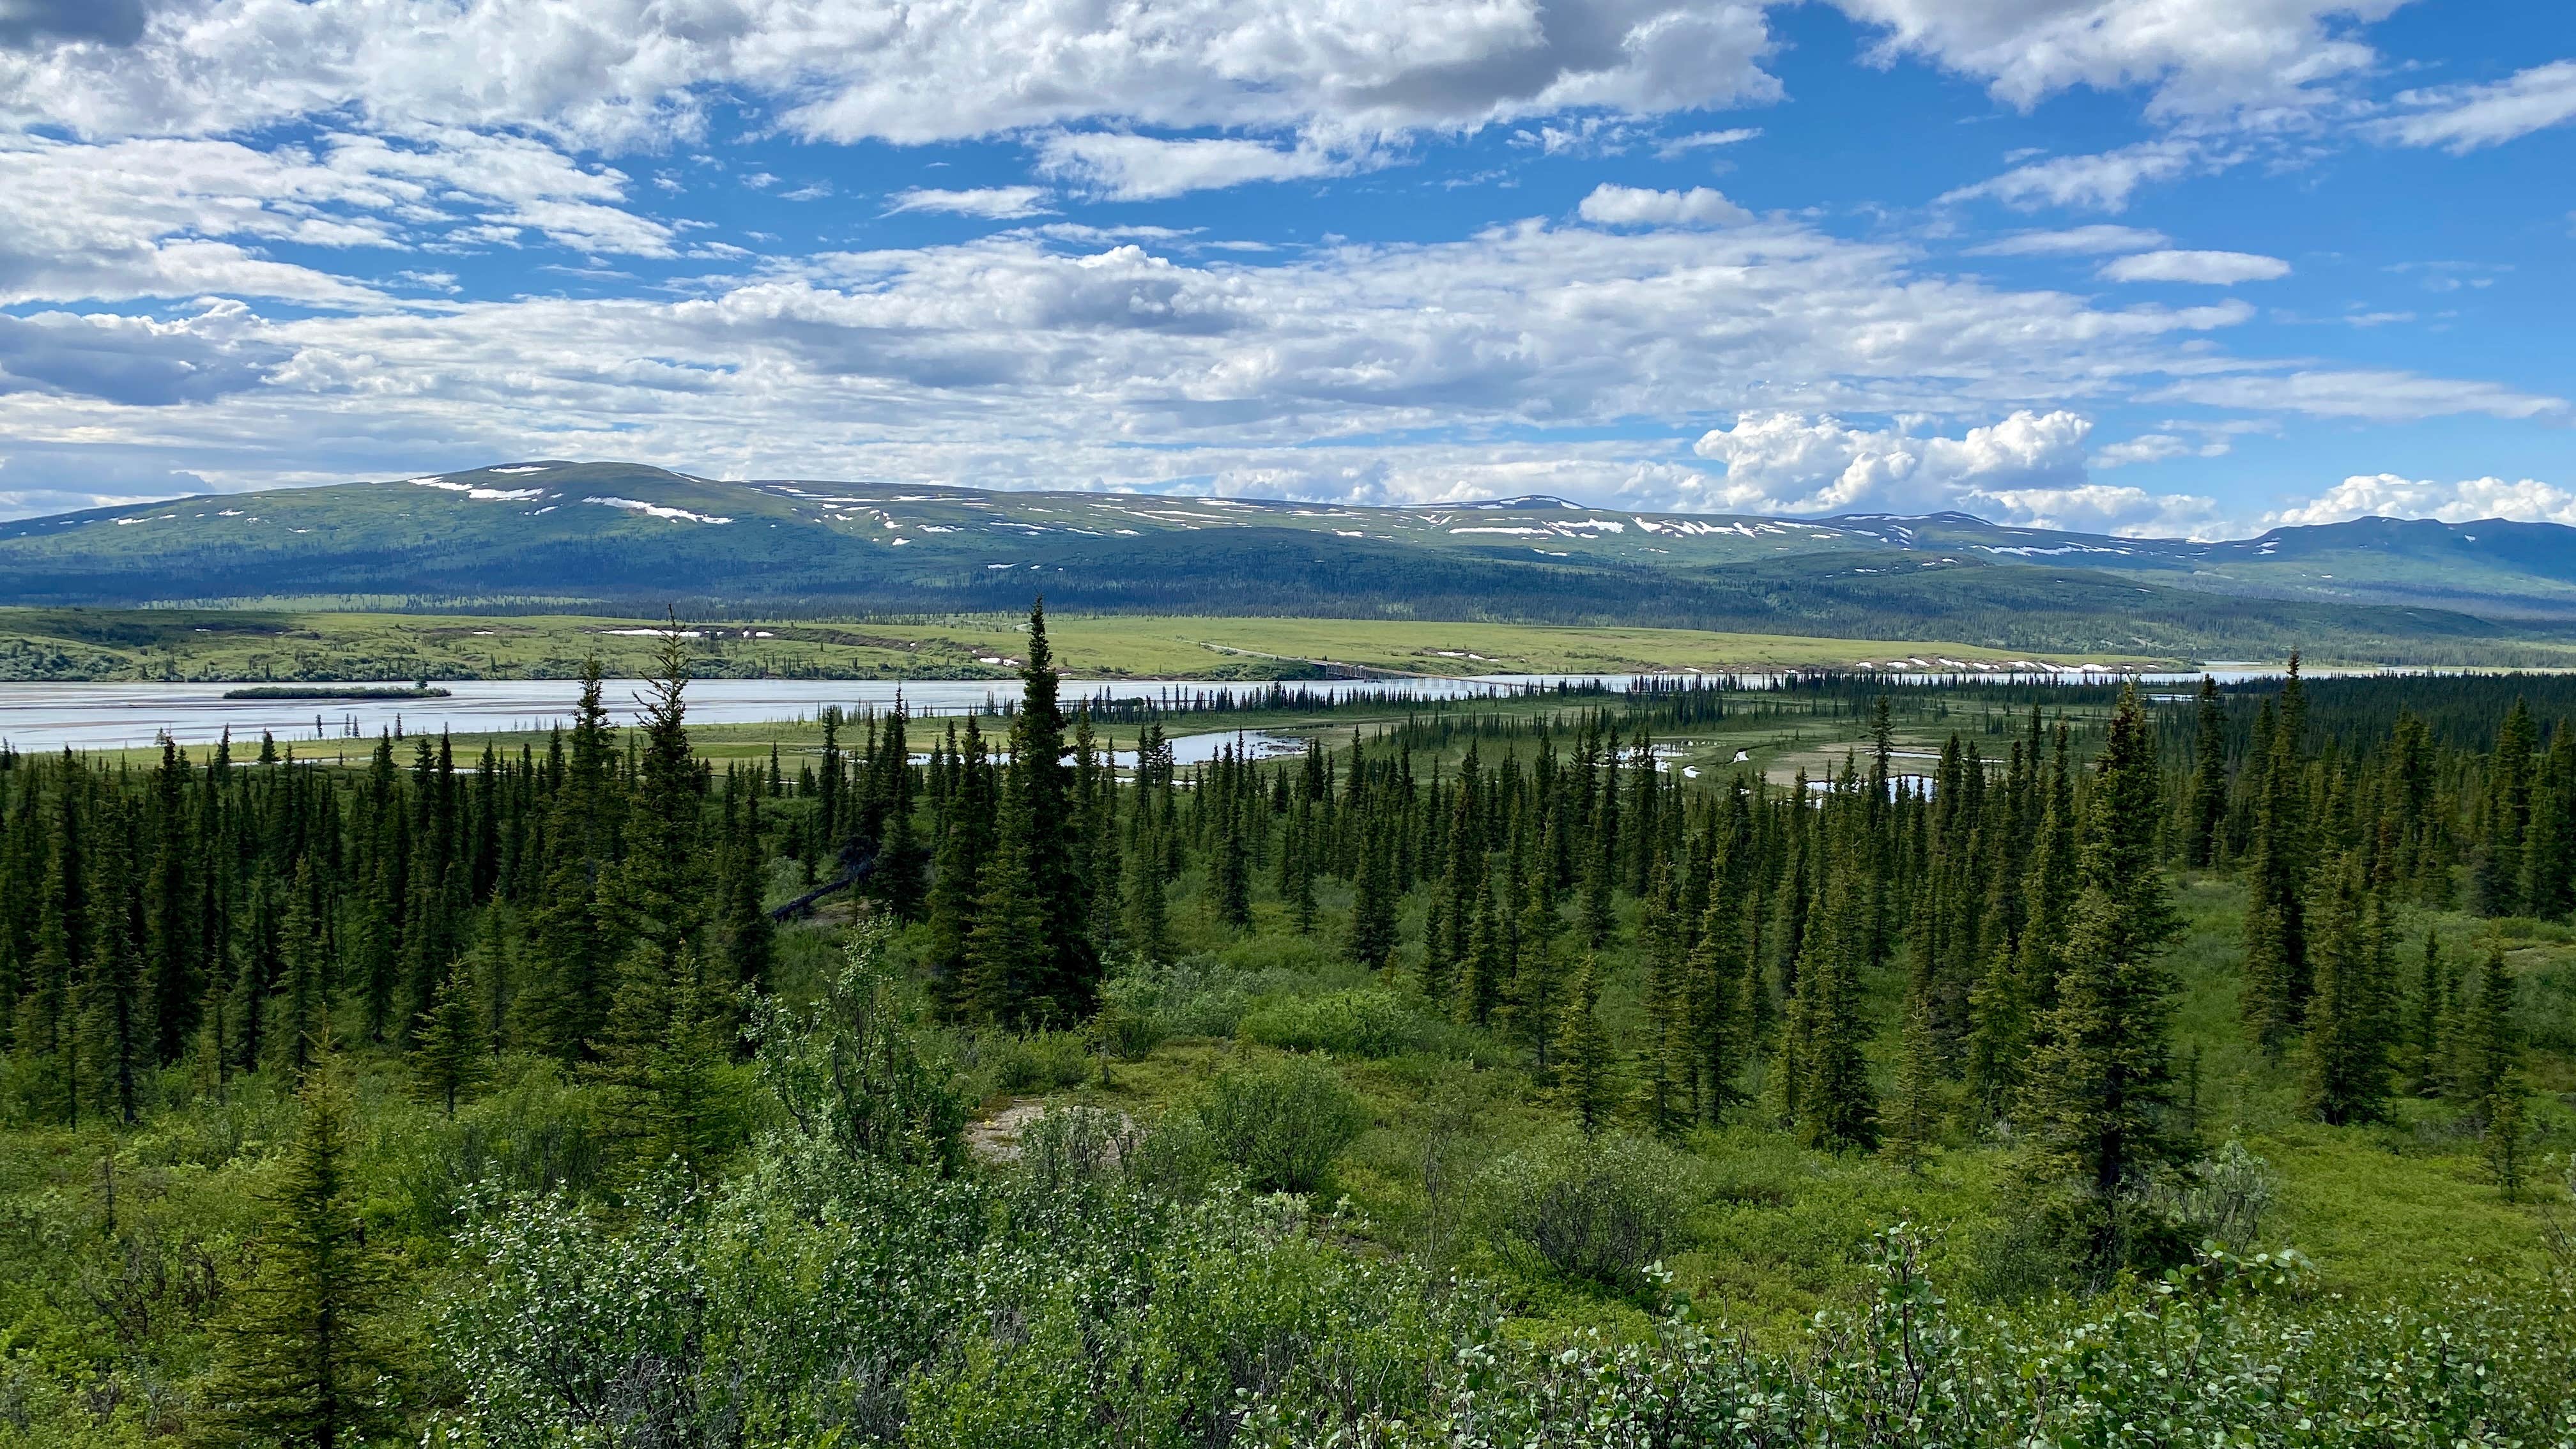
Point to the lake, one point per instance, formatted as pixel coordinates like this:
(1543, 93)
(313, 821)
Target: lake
(127, 715)
(132, 716)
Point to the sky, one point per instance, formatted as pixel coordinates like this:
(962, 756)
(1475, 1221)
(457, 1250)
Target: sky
(2191, 267)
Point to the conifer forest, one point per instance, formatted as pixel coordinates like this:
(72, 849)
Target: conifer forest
(1984, 1064)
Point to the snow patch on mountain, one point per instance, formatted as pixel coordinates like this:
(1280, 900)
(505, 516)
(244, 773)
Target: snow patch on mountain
(655, 510)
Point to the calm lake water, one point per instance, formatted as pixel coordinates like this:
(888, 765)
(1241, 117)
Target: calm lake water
(131, 715)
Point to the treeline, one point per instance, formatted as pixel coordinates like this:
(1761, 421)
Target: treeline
(592, 902)
(1992, 923)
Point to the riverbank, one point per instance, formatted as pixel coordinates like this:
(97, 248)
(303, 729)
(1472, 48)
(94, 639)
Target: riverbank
(292, 647)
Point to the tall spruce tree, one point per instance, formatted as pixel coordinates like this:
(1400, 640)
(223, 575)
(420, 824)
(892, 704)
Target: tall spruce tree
(1147, 917)
(661, 898)
(2490, 1050)
(448, 1056)
(573, 938)
(2346, 1074)
(2102, 1085)
(2208, 800)
(956, 886)
(1915, 1126)
(2277, 970)
(665, 1064)
(2498, 875)
(1835, 1106)
(1373, 899)
(47, 1016)
(1030, 952)
(2428, 1030)
(304, 1353)
(1587, 1064)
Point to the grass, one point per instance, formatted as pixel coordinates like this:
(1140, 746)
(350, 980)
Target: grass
(264, 646)
(1775, 1235)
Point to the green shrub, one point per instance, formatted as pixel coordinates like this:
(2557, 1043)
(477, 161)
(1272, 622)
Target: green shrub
(1040, 1061)
(1177, 1158)
(1366, 1023)
(1208, 996)
(2059, 1236)
(1072, 1147)
(1282, 1124)
(1126, 1033)
(1601, 1209)
(2225, 1198)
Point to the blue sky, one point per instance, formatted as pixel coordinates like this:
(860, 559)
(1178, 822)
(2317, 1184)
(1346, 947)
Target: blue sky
(2172, 266)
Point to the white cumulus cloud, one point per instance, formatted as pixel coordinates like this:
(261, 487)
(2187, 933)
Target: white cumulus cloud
(997, 202)
(1614, 205)
(2099, 182)
(617, 73)
(2464, 118)
(2217, 269)
(2377, 394)
(2388, 495)
(2028, 468)
(2079, 241)
(2199, 56)
(1125, 167)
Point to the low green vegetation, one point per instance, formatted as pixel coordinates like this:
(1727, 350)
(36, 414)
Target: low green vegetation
(2070, 1066)
(281, 645)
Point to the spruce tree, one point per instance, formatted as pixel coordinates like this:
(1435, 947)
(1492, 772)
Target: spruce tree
(1007, 952)
(448, 1056)
(1835, 1105)
(1537, 992)
(48, 1026)
(1663, 1062)
(2498, 875)
(2346, 1076)
(173, 944)
(1030, 948)
(1587, 1065)
(740, 930)
(2208, 801)
(2490, 1050)
(2277, 970)
(666, 1064)
(2549, 848)
(956, 886)
(2428, 1034)
(1373, 900)
(2505, 1143)
(1147, 921)
(303, 1354)
(1719, 987)
(903, 864)
(660, 896)
(1481, 978)
(572, 940)
(1998, 1036)
(1915, 1126)
(1040, 773)
(2101, 1087)
(116, 1044)
(299, 1008)
(1296, 860)
(1232, 870)
(1600, 870)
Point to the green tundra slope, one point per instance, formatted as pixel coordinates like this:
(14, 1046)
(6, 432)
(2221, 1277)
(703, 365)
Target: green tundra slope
(615, 537)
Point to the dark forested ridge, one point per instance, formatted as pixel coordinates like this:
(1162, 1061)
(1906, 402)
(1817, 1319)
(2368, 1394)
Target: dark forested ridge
(583, 1092)
(549, 535)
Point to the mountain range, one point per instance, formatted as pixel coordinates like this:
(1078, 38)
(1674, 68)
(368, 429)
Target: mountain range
(557, 534)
